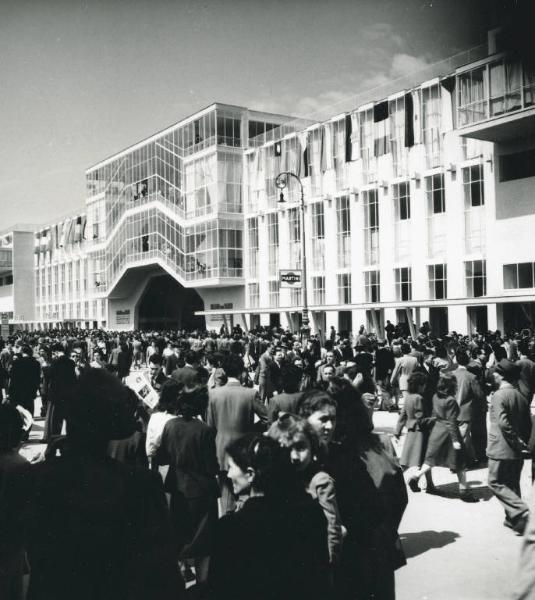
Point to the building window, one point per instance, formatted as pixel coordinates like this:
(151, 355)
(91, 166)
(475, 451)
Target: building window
(343, 231)
(253, 293)
(274, 294)
(343, 281)
(403, 284)
(518, 165)
(476, 278)
(472, 96)
(9, 279)
(253, 246)
(438, 285)
(371, 227)
(518, 276)
(318, 237)
(402, 201)
(273, 243)
(372, 286)
(434, 191)
(294, 239)
(473, 186)
(295, 298)
(318, 290)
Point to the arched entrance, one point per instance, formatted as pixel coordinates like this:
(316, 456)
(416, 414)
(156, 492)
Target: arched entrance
(166, 304)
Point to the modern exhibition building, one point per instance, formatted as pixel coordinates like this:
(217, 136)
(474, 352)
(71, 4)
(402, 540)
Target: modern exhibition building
(419, 206)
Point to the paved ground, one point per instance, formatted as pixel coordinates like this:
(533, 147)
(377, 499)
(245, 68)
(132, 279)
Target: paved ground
(455, 551)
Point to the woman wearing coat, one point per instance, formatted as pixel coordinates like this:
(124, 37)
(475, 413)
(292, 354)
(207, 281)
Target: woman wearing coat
(445, 447)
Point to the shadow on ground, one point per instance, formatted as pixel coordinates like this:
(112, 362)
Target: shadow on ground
(417, 543)
(451, 490)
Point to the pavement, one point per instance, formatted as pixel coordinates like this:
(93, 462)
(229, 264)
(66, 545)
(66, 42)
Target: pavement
(455, 550)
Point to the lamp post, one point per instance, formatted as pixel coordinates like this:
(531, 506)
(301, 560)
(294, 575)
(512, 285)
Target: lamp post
(281, 181)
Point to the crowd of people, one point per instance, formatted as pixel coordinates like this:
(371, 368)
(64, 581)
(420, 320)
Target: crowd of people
(258, 474)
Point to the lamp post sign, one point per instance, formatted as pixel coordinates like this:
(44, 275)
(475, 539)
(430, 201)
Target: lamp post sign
(290, 279)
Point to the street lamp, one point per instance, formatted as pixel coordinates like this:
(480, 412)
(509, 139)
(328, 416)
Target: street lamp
(281, 181)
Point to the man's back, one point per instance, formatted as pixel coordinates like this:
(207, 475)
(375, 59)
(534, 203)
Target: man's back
(231, 411)
(468, 389)
(526, 382)
(186, 375)
(510, 419)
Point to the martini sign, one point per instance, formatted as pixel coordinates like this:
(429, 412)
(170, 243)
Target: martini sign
(290, 279)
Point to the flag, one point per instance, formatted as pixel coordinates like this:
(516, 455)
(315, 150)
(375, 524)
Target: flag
(303, 154)
(82, 228)
(416, 117)
(446, 95)
(326, 147)
(355, 136)
(380, 111)
(38, 243)
(349, 147)
(409, 121)
(278, 149)
(63, 238)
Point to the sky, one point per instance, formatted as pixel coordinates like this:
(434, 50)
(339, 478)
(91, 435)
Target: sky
(83, 79)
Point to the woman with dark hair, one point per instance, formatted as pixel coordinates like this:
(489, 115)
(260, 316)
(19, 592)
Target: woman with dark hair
(337, 422)
(188, 447)
(296, 434)
(275, 546)
(445, 447)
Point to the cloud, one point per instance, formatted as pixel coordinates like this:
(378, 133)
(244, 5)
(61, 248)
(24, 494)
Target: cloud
(382, 32)
(407, 64)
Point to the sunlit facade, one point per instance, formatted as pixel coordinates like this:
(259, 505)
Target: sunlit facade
(419, 207)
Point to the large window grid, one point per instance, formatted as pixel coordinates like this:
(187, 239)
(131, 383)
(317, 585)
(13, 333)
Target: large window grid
(372, 286)
(371, 227)
(253, 246)
(474, 201)
(400, 155)
(343, 232)
(343, 284)
(431, 117)
(402, 223)
(318, 290)
(274, 293)
(318, 236)
(253, 295)
(519, 276)
(475, 278)
(273, 243)
(294, 238)
(438, 281)
(403, 282)
(436, 215)
(500, 87)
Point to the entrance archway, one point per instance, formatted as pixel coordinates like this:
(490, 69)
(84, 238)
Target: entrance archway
(166, 304)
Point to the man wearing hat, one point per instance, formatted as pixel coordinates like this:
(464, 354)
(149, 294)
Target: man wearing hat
(510, 427)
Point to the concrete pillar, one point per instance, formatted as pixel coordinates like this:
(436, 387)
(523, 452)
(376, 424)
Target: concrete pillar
(495, 317)
(458, 318)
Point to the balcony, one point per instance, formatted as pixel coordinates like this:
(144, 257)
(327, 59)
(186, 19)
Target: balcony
(496, 100)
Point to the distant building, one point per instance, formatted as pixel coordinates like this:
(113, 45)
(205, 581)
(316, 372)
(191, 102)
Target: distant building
(420, 206)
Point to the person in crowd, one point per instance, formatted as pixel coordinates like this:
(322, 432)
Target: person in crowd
(15, 490)
(164, 411)
(157, 375)
(469, 395)
(330, 361)
(287, 401)
(416, 418)
(24, 379)
(187, 375)
(44, 362)
(526, 380)
(264, 373)
(297, 435)
(6, 360)
(445, 444)
(275, 546)
(130, 449)
(188, 447)
(98, 529)
(231, 411)
(509, 432)
(62, 380)
(99, 360)
(404, 366)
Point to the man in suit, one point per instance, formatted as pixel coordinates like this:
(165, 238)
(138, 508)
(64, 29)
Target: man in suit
(187, 375)
(330, 361)
(265, 383)
(24, 380)
(277, 367)
(287, 401)
(231, 411)
(470, 399)
(157, 376)
(510, 427)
